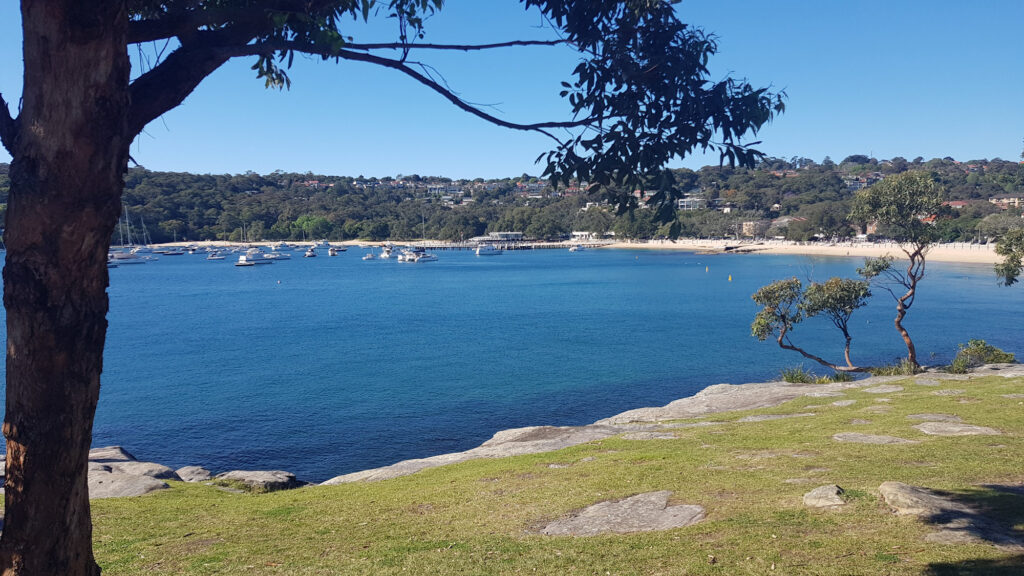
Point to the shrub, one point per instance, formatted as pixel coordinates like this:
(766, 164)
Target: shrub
(903, 368)
(977, 353)
(797, 375)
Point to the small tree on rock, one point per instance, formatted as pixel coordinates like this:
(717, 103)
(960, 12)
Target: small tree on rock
(785, 304)
(900, 204)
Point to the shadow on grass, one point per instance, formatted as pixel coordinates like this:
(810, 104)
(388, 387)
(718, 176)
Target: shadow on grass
(989, 513)
(1004, 567)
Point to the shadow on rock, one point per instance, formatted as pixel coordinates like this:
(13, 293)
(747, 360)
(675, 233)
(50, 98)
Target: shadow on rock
(990, 513)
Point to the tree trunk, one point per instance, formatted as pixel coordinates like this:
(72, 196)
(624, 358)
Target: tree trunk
(69, 157)
(901, 312)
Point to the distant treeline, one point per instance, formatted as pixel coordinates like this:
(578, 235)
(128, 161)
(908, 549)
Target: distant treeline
(796, 198)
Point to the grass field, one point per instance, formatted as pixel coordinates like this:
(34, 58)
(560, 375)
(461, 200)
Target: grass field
(483, 516)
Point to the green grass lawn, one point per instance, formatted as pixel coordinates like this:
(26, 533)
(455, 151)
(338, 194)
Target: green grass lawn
(482, 516)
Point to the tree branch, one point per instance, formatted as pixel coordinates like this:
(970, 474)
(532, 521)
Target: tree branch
(786, 344)
(169, 83)
(8, 126)
(268, 47)
(461, 47)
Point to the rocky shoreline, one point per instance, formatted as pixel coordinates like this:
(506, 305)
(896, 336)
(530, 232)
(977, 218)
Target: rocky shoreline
(114, 472)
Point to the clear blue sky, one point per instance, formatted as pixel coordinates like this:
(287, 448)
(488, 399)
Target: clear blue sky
(909, 78)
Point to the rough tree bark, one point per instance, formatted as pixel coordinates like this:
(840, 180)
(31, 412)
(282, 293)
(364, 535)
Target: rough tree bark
(69, 157)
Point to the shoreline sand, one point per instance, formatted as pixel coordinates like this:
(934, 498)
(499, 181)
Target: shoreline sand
(958, 252)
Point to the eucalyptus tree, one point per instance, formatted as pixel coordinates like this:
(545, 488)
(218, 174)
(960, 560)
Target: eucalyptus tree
(900, 204)
(640, 96)
(1011, 248)
(785, 303)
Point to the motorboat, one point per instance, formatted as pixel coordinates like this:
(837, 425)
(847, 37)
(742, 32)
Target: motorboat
(488, 250)
(332, 251)
(252, 257)
(576, 248)
(369, 256)
(416, 254)
(386, 250)
(310, 252)
(215, 255)
(278, 256)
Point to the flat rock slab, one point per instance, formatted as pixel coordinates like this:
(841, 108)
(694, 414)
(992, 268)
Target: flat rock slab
(934, 417)
(110, 454)
(767, 417)
(261, 480)
(827, 496)
(1013, 396)
(949, 392)
(1004, 370)
(907, 500)
(884, 389)
(193, 474)
(858, 438)
(957, 522)
(514, 442)
(955, 429)
(844, 403)
(928, 382)
(648, 436)
(118, 485)
(640, 513)
(151, 469)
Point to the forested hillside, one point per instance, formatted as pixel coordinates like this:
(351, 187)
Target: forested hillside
(798, 198)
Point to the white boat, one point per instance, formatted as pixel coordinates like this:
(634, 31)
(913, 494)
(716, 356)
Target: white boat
(488, 250)
(332, 251)
(252, 257)
(416, 255)
(369, 256)
(577, 248)
(122, 258)
(215, 255)
(278, 256)
(282, 247)
(385, 251)
(310, 253)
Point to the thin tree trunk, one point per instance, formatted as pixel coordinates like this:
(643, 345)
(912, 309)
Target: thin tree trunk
(69, 157)
(901, 312)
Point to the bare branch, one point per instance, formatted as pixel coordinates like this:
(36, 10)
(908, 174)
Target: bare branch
(406, 68)
(8, 126)
(458, 47)
(786, 344)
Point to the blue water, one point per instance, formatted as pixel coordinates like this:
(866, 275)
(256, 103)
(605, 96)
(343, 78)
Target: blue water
(330, 365)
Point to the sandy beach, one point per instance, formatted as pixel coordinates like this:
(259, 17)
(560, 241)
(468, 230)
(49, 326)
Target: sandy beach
(954, 252)
(961, 252)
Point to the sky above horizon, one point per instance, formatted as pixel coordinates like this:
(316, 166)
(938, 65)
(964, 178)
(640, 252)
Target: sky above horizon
(930, 79)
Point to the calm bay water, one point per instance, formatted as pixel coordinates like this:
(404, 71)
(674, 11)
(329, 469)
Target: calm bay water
(330, 365)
